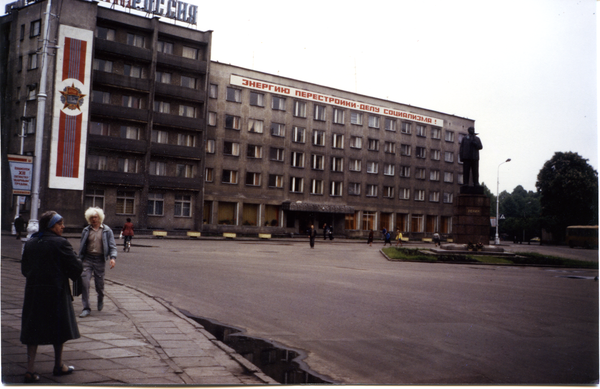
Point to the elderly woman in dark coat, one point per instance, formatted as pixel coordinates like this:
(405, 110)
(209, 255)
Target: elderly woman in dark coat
(48, 263)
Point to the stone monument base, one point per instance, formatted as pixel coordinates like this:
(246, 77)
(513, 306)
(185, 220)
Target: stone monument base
(472, 218)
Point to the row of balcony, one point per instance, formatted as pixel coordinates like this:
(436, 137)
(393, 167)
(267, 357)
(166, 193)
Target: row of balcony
(105, 177)
(142, 115)
(141, 147)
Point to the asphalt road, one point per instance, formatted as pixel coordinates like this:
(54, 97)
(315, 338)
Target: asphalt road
(365, 320)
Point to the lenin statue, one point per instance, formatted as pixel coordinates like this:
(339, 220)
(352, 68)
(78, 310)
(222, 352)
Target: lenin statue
(469, 156)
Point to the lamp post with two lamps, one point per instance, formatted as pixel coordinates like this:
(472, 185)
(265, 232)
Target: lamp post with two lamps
(497, 240)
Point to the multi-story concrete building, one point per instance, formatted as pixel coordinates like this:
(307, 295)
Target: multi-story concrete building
(140, 122)
(125, 113)
(282, 154)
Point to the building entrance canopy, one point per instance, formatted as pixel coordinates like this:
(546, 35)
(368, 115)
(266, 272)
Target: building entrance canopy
(315, 207)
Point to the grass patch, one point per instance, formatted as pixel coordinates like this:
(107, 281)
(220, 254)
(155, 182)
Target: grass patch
(415, 255)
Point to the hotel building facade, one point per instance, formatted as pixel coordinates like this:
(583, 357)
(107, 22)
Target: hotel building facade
(178, 142)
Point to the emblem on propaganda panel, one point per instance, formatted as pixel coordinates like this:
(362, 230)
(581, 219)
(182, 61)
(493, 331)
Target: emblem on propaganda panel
(71, 97)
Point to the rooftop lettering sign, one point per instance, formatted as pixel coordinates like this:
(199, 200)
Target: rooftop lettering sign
(327, 99)
(172, 9)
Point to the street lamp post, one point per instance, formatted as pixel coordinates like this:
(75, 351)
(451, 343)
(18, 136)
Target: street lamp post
(497, 240)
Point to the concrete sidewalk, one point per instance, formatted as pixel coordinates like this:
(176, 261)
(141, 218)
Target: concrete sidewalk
(136, 339)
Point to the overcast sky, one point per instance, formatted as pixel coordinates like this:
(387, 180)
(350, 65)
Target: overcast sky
(524, 70)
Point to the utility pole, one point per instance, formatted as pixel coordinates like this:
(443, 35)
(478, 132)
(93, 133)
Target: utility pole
(33, 225)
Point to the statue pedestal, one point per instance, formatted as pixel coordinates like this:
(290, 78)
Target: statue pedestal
(471, 222)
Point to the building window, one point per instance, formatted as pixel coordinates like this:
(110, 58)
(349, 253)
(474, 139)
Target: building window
(448, 198)
(189, 82)
(278, 103)
(162, 107)
(316, 187)
(318, 138)
(448, 177)
(135, 40)
(460, 179)
(449, 136)
(99, 128)
(250, 214)
(97, 162)
(130, 132)
(336, 188)
(158, 136)
(213, 91)
(29, 124)
(209, 174)
(156, 204)
(275, 181)
(163, 77)
(297, 159)
(355, 165)
(94, 198)
(133, 71)
(189, 52)
(420, 173)
(231, 148)
(338, 141)
(368, 220)
(187, 111)
(435, 154)
(255, 126)
(272, 215)
(318, 162)
(233, 122)
(103, 65)
(436, 133)
(389, 169)
(390, 124)
(371, 190)
(405, 128)
(421, 152)
(405, 171)
(157, 168)
(434, 196)
(127, 165)
(338, 116)
(132, 102)
(419, 195)
(373, 121)
(356, 142)
(337, 164)
(416, 223)
(276, 154)
(252, 179)
(434, 175)
(227, 213)
(320, 112)
(404, 194)
(299, 135)
(183, 206)
(296, 184)
(389, 147)
(229, 177)
(186, 140)
(125, 202)
(372, 167)
(449, 156)
(405, 150)
(373, 144)
(299, 109)
(356, 118)
(185, 171)
(254, 151)
(164, 47)
(105, 33)
(234, 95)
(33, 61)
(210, 146)
(388, 192)
(420, 130)
(277, 129)
(35, 28)
(257, 99)
(354, 188)
(100, 97)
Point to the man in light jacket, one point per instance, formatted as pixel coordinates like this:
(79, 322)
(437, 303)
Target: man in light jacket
(97, 246)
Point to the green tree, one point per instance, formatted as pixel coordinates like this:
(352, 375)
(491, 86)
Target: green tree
(568, 189)
(522, 212)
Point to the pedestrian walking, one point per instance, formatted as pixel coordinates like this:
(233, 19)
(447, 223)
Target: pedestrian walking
(387, 238)
(398, 238)
(325, 231)
(370, 239)
(20, 225)
(436, 239)
(97, 246)
(312, 234)
(127, 233)
(48, 317)
(330, 232)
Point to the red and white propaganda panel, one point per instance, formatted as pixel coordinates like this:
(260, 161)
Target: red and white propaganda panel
(71, 108)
